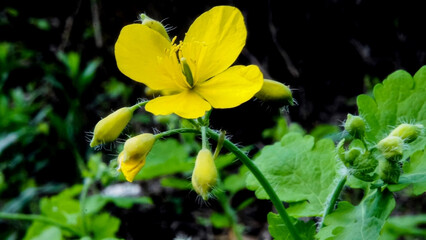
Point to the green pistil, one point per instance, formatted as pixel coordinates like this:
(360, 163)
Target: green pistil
(187, 72)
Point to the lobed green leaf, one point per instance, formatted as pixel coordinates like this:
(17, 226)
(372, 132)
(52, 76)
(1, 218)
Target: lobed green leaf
(301, 171)
(362, 222)
(279, 230)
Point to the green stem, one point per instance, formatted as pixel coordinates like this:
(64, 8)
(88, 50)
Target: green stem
(204, 139)
(176, 131)
(250, 165)
(333, 199)
(83, 196)
(262, 180)
(138, 105)
(230, 213)
(43, 219)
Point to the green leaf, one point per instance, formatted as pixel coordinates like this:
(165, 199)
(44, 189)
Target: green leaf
(40, 23)
(166, 158)
(279, 231)
(236, 182)
(363, 222)
(403, 226)
(220, 220)
(225, 160)
(278, 131)
(72, 62)
(301, 171)
(399, 99)
(128, 202)
(88, 74)
(325, 131)
(104, 225)
(177, 183)
(41, 231)
(95, 203)
(414, 173)
(63, 210)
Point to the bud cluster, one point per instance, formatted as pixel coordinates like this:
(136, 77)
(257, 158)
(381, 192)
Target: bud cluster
(392, 147)
(358, 160)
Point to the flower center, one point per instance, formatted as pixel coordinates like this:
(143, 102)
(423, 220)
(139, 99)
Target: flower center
(187, 71)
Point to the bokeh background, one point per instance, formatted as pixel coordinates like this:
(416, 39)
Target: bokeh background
(59, 77)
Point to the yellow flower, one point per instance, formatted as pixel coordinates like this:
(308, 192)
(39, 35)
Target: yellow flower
(132, 158)
(196, 73)
(109, 128)
(204, 176)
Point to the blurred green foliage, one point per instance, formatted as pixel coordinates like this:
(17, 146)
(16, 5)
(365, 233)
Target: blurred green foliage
(49, 99)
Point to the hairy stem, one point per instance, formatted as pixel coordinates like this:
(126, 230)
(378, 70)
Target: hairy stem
(176, 131)
(250, 165)
(333, 199)
(262, 180)
(40, 218)
(138, 105)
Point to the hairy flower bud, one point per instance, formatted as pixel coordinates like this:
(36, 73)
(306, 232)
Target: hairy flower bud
(389, 172)
(391, 147)
(132, 158)
(274, 91)
(355, 126)
(154, 25)
(109, 128)
(204, 176)
(407, 132)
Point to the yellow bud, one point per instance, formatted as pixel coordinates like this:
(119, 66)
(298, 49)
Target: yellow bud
(154, 25)
(109, 128)
(274, 91)
(408, 132)
(132, 158)
(204, 176)
(391, 147)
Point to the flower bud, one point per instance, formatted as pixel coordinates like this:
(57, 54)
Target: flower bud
(154, 25)
(408, 132)
(355, 126)
(132, 158)
(274, 91)
(389, 172)
(352, 154)
(204, 176)
(109, 128)
(391, 147)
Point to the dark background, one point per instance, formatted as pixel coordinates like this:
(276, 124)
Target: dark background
(328, 52)
(324, 50)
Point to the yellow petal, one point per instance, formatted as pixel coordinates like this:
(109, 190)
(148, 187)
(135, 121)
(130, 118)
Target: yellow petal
(214, 41)
(186, 104)
(146, 56)
(233, 87)
(131, 166)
